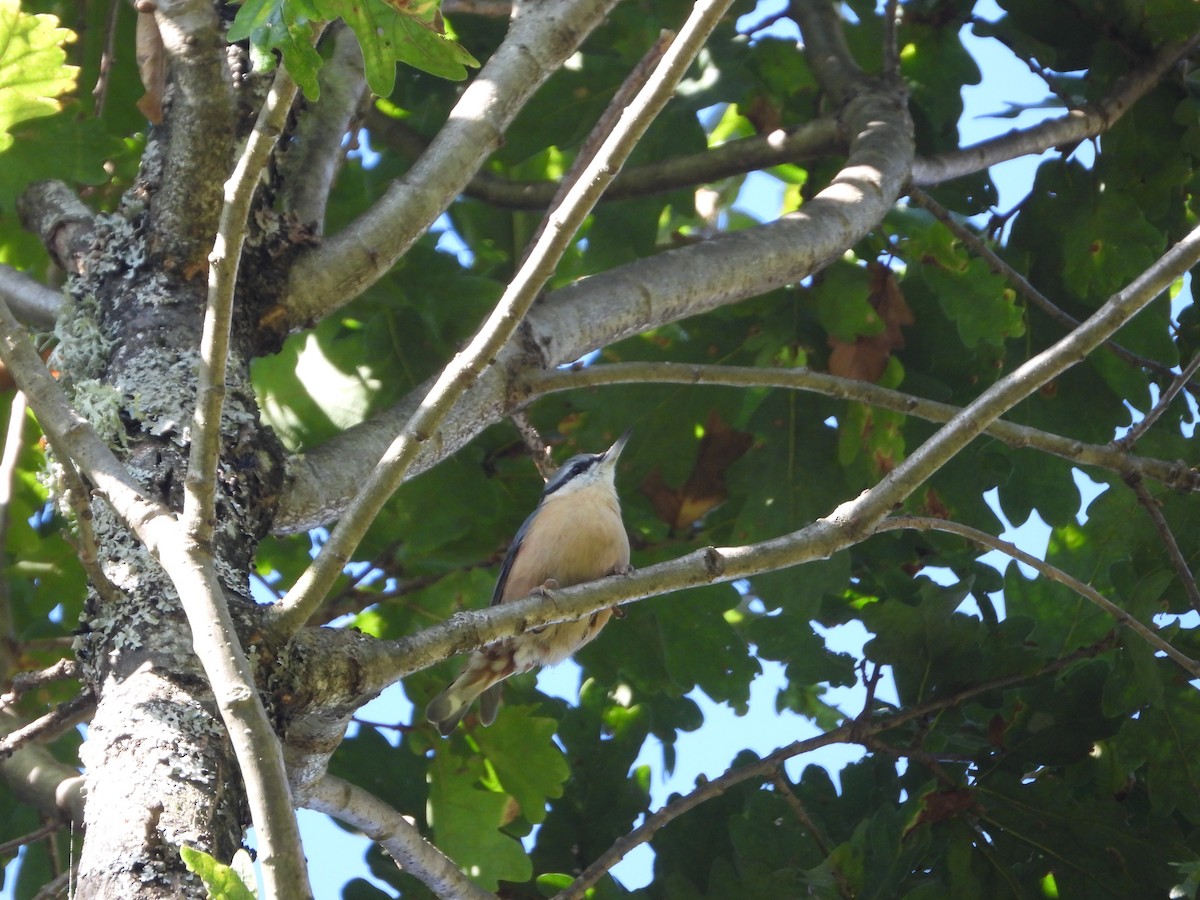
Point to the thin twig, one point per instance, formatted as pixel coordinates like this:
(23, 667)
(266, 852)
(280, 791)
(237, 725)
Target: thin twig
(851, 732)
(223, 264)
(924, 523)
(1075, 125)
(975, 245)
(37, 834)
(633, 83)
(1135, 433)
(1167, 536)
(539, 450)
(1177, 474)
(255, 743)
(891, 50)
(64, 715)
(58, 887)
(818, 138)
(303, 600)
(14, 443)
(24, 682)
(107, 56)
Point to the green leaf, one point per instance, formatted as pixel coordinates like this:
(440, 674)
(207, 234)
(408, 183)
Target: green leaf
(467, 818)
(520, 747)
(980, 303)
(223, 882)
(281, 25)
(388, 36)
(33, 69)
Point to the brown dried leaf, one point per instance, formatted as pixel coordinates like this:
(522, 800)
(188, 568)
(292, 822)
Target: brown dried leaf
(705, 488)
(866, 358)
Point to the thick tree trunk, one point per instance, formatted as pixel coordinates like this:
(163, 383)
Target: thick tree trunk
(161, 772)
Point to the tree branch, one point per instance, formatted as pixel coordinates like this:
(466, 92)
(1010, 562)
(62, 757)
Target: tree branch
(64, 715)
(1177, 475)
(664, 288)
(860, 516)
(27, 681)
(1075, 126)
(32, 303)
(858, 731)
(199, 138)
(1186, 578)
(847, 525)
(396, 834)
(330, 276)
(311, 163)
(36, 777)
(14, 443)
(798, 144)
(924, 523)
(72, 437)
(1140, 428)
(562, 223)
(975, 245)
(188, 559)
(61, 221)
(223, 263)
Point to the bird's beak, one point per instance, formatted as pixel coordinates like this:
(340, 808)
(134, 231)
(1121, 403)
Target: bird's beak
(613, 452)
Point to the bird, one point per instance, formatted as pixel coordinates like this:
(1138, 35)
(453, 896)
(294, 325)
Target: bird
(575, 534)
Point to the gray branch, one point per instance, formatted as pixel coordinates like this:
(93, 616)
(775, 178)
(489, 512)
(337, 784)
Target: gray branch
(32, 303)
(624, 301)
(330, 276)
(315, 153)
(1077, 125)
(396, 834)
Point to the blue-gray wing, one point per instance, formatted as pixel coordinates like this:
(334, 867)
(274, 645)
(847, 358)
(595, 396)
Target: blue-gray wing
(513, 549)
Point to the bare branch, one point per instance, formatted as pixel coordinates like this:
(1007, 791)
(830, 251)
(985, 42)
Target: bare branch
(812, 140)
(61, 221)
(669, 286)
(868, 510)
(923, 523)
(65, 715)
(626, 93)
(223, 263)
(1021, 283)
(1186, 578)
(825, 48)
(539, 450)
(14, 443)
(36, 835)
(27, 681)
(854, 732)
(32, 303)
(308, 168)
(1074, 126)
(1177, 475)
(188, 561)
(563, 222)
(1140, 428)
(36, 777)
(396, 834)
(333, 274)
(72, 437)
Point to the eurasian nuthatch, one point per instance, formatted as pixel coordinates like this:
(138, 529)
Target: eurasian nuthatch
(574, 535)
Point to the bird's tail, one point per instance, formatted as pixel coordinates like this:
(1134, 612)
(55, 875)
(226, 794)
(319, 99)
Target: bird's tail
(447, 709)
